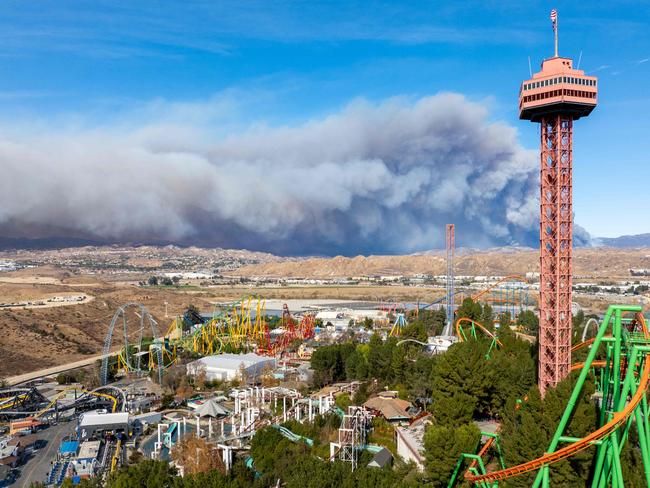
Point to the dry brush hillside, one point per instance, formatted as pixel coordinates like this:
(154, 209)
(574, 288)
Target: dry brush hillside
(589, 262)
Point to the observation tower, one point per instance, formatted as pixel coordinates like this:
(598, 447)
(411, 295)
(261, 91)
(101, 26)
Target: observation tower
(555, 97)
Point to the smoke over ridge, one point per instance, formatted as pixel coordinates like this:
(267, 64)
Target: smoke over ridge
(371, 178)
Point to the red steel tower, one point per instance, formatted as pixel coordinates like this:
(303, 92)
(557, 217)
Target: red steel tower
(555, 97)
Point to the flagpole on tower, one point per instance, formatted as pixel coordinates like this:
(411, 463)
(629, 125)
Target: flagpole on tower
(554, 20)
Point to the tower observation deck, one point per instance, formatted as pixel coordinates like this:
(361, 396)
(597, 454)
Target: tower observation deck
(555, 97)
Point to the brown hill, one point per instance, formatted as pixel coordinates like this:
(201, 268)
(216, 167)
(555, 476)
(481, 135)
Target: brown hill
(588, 262)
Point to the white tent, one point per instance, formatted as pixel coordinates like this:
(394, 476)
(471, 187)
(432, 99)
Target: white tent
(211, 409)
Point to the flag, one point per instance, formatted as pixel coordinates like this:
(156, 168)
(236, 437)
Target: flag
(554, 18)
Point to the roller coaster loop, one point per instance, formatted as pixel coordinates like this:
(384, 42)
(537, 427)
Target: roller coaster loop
(131, 361)
(463, 336)
(625, 380)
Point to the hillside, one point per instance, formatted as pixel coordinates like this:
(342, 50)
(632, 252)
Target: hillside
(637, 240)
(589, 262)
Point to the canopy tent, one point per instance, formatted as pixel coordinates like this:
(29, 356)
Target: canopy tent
(212, 409)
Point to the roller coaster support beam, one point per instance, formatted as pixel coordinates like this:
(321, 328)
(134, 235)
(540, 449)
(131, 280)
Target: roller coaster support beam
(608, 467)
(625, 380)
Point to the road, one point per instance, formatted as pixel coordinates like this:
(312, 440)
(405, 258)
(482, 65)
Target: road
(22, 378)
(36, 469)
(61, 368)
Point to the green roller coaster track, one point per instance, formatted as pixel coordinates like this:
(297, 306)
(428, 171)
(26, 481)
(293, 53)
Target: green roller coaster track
(624, 375)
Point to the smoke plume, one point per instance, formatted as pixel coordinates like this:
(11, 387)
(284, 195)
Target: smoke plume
(372, 178)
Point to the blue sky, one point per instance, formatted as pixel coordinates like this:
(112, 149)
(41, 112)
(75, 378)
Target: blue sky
(282, 63)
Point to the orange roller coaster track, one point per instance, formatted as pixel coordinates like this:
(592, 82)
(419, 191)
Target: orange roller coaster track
(505, 279)
(474, 325)
(627, 386)
(462, 337)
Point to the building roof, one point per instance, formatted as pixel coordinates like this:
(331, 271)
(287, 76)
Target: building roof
(104, 419)
(326, 391)
(69, 447)
(6, 461)
(23, 440)
(390, 408)
(230, 361)
(89, 450)
(211, 409)
(413, 435)
(381, 459)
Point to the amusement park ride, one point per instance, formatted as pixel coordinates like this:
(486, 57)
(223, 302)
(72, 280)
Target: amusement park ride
(619, 356)
(621, 381)
(555, 97)
(241, 326)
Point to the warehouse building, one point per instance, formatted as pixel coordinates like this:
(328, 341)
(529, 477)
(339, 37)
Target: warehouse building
(96, 424)
(228, 367)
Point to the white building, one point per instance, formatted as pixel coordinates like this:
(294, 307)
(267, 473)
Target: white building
(228, 367)
(440, 344)
(86, 462)
(97, 422)
(410, 441)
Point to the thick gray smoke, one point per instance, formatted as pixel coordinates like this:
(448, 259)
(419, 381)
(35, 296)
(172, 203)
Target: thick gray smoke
(373, 178)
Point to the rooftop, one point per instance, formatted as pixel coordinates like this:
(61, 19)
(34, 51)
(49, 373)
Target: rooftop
(89, 450)
(390, 408)
(68, 447)
(98, 419)
(232, 361)
(413, 435)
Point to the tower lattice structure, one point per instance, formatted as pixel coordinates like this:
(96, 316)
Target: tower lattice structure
(555, 97)
(450, 240)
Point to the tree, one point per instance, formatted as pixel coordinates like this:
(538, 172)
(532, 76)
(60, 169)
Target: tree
(443, 446)
(464, 370)
(242, 376)
(166, 281)
(355, 366)
(487, 316)
(578, 319)
(329, 363)
(527, 428)
(343, 401)
(195, 455)
(398, 364)
(273, 453)
(529, 321)
(361, 395)
(173, 377)
(470, 309)
(505, 319)
(148, 474)
(200, 377)
(153, 281)
(184, 390)
(378, 363)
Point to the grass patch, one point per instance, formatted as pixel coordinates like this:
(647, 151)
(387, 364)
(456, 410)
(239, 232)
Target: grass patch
(383, 434)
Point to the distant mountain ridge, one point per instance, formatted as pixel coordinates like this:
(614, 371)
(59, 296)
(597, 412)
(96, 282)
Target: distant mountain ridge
(637, 240)
(56, 242)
